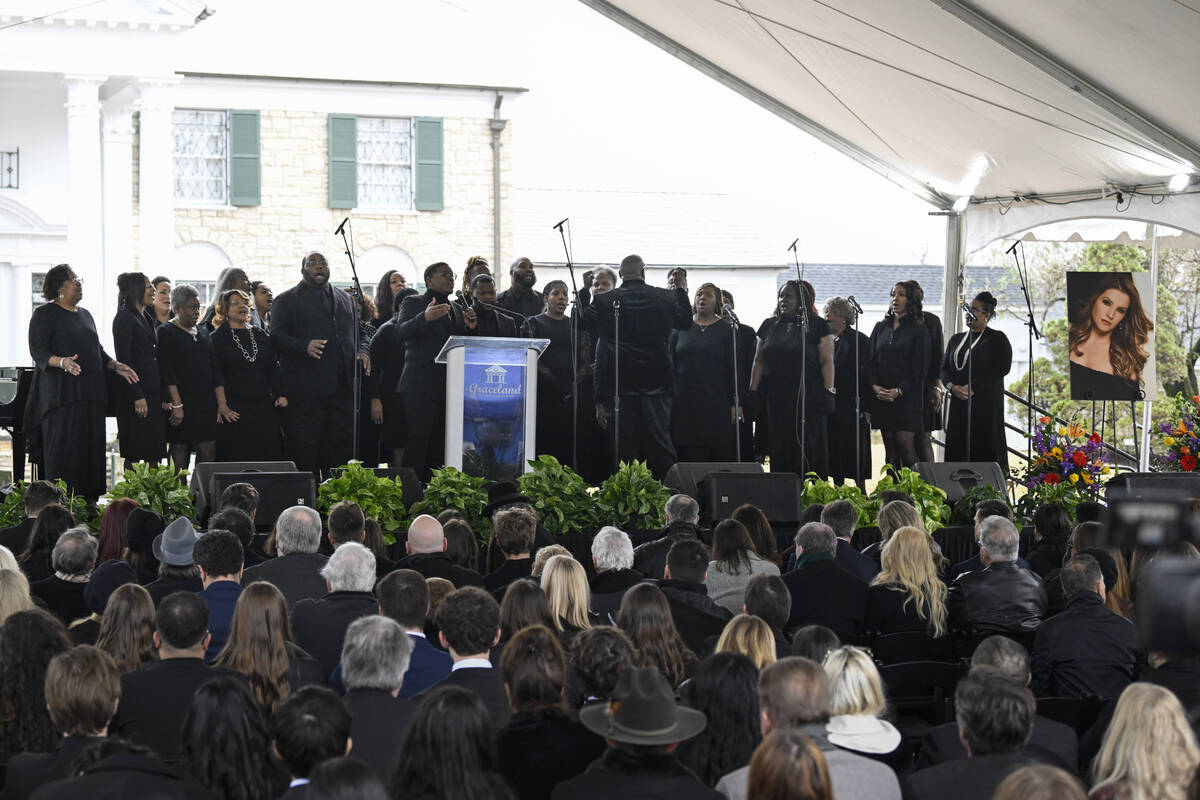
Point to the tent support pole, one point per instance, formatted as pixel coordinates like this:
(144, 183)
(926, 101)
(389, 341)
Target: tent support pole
(1144, 466)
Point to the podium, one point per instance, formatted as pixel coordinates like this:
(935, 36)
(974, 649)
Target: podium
(491, 404)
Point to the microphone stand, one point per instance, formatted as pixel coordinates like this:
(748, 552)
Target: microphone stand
(1031, 323)
(617, 383)
(970, 383)
(859, 478)
(356, 381)
(737, 402)
(802, 394)
(511, 314)
(574, 347)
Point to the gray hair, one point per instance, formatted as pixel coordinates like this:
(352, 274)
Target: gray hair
(182, 294)
(351, 568)
(841, 306)
(612, 549)
(817, 539)
(842, 516)
(75, 552)
(1000, 538)
(1081, 574)
(375, 654)
(681, 508)
(1004, 655)
(298, 530)
(612, 274)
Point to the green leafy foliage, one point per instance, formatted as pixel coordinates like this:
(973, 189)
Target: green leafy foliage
(158, 489)
(381, 499)
(1067, 495)
(632, 498)
(560, 496)
(963, 512)
(451, 488)
(12, 509)
(824, 492)
(930, 500)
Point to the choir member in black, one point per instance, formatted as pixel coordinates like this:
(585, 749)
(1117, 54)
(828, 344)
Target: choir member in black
(777, 370)
(973, 372)
(160, 310)
(188, 367)
(425, 322)
(896, 368)
(492, 322)
(64, 415)
(747, 344)
(476, 266)
(703, 416)
(263, 297)
(595, 455)
(383, 384)
(519, 297)
(385, 293)
(555, 389)
(368, 429)
(140, 427)
(848, 365)
(232, 278)
(248, 386)
(645, 383)
(932, 396)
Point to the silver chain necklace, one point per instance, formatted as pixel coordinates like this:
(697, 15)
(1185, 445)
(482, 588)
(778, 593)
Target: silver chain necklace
(252, 356)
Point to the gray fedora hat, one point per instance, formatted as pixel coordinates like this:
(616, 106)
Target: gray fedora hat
(642, 710)
(174, 545)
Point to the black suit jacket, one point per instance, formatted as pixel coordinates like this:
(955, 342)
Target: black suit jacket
(843, 370)
(695, 615)
(1086, 651)
(63, 599)
(297, 576)
(1050, 743)
(439, 565)
(320, 625)
(975, 777)
(135, 340)
(825, 594)
(423, 340)
(387, 361)
(301, 314)
(28, 771)
(378, 725)
(854, 562)
(124, 777)
(484, 682)
(16, 537)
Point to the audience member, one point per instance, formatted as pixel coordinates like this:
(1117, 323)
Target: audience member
(893, 515)
(241, 496)
(749, 636)
(8, 560)
(612, 556)
(118, 768)
(38, 495)
(404, 596)
(439, 590)
(725, 689)
(82, 688)
(857, 705)
(112, 528)
(694, 613)
(1149, 750)
(14, 593)
(513, 532)
(320, 625)
(543, 555)
(225, 745)
(814, 642)
(309, 726)
(177, 572)
(104, 580)
(373, 539)
(645, 616)
(761, 533)
(238, 523)
(346, 523)
(643, 727)
(683, 519)
(789, 765)
(296, 570)
(1002, 597)
(428, 556)
(842, 517)
(29, 640)
(907, 594)
(344, 778)
(1041, 782)
(462, 546)
(1052, 532)
(141, 529)
(469, 625)
(127, 628)
(541, 745)
(565, 585)
(1087, 650)
(768, 598)
(822, 592)
(375, 657)
(734, 563)
(34, 555)
(524, 605)
(73, 558)
(598, 658)
(794, 695)
(983, 509)
(218, 554)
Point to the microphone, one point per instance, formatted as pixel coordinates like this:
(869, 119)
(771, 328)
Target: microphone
(512, 314)
(727, 310)
(558, 227)
(854, 304)
(1014, 247)
(792, 246)
(970, 314)
(462, 299)
(338, 232)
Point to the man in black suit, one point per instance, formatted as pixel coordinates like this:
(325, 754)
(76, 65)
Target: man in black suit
(73, 559)
(347, 523)
(768, 598)
(155, 699)
(983, 510)
(513, 530)
(683, 518)
(822, 592)
(612, 556)
(38, 495)
(695, 614)
(642, 317)
(83, 686)
(314, 331)
(995, 719)
(491, 321)
(375, 657)
(1050, 742)
(404, 597)
(424, 323)
(320, 625)
(520, 298)
(469, 626)
(426, 548)
(309, 726)
(296, 571)
(842, 516)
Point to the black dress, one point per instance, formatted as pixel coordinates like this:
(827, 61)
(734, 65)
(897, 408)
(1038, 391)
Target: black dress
(933, 406)
(247, 368)
(781, 352)
(64, 415)
(188, 363)
(1091, 384)
(842, 420)
(554, 432)
(988, 358)
(899, 359)
(136, 343)
(703, 361)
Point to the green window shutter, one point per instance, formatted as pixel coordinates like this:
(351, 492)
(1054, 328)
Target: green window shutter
(245, 165)
(343, 161)
(429, 164)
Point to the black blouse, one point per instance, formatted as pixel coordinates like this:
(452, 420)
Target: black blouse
(253, 378)
(554, 367)
(782, 351)
(54, 331)
(136, 343)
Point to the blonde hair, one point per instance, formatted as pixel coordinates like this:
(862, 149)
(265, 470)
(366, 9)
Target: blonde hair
(565, 584)
(8, 560)
(1040, 782)
(544, 554)
(14, 593)
(898, 514)
(1149, 750)
(908, 562)
(750, 636)
(854, 683)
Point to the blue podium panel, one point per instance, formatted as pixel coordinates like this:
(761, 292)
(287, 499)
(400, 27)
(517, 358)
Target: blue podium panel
(491, 404)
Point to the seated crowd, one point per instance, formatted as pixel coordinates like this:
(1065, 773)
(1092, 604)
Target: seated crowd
(158, 660)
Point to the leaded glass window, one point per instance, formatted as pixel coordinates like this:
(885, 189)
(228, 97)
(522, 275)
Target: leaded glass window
(385, 163)
(201, 156)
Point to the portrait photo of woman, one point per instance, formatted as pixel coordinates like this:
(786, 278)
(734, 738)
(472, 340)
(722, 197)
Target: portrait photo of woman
(1110, 337)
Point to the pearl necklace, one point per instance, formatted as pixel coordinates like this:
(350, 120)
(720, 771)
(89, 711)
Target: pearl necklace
(252, 356)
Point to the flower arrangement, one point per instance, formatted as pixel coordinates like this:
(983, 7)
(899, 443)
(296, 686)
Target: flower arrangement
(1181, 438)
(1068, 466)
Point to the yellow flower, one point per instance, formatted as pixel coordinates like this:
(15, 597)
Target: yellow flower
(1087, 478)
(1074, 477)
(1062, 431)
(1169, 441)
(1056, 452)
(1106, 470)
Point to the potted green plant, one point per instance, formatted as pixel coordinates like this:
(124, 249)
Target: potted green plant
(963, 512)
(157, 488)
(12, 508)
(930, 500)
(560, 496)
(824, 492)
(380, 498)
(452, 488)
(632, 499)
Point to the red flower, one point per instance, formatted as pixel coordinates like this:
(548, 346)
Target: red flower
(1187, 463)
(1095, 437)
(1079, 458)
(1051, 478)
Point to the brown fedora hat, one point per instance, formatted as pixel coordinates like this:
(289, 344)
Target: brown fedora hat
(643, 711)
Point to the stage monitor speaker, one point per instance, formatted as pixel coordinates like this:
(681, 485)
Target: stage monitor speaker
(956, 477)
(1135, 485)
(685, 477)
(776, 493)
(201, 482)
(276, 491)
(412, 488)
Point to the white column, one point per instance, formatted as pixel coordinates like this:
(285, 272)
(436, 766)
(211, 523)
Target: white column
(85, 246)
(156, 193)
(117, 128)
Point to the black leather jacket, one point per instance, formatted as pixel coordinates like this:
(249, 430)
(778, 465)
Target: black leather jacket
(1000, 599)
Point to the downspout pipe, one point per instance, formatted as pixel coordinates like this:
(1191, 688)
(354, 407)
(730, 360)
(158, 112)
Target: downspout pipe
(497, 125)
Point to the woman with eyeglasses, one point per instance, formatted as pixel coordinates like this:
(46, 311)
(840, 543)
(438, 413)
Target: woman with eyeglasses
(65, 411)
(973, 371)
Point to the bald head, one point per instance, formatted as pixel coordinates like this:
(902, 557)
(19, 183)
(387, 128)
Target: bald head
(425, 535)
(632, 267)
